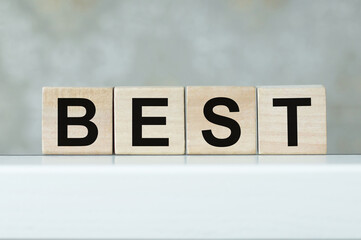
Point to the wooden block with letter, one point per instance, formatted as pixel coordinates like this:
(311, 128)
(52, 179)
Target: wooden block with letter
(221, 120)
(149, 120)
(77, 121)
(292, 120)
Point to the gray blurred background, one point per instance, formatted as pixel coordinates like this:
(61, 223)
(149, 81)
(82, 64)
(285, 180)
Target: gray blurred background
(115, 43)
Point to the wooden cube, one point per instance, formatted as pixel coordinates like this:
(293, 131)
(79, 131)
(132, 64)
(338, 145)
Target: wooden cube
(149, 120)
(221, 120)
(292, 120)
(77, 121)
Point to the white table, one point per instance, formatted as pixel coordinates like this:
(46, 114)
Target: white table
(180, 197)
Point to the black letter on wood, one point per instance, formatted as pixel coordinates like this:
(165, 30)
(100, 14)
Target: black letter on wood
(291, 104)
(139, 121)
(221, 120)
(64, 121)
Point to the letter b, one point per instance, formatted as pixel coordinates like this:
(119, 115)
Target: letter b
(64, 121)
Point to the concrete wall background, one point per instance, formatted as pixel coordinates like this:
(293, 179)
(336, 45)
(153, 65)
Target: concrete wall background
(115, 43)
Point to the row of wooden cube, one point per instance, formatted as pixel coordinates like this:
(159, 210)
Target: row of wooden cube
(192, 120)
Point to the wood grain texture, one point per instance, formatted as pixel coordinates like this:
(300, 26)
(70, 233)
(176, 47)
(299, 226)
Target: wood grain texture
(272, 121)
(174, 113)
(103, 119)
(245, 97)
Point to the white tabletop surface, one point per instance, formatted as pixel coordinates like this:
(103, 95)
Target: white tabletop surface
(180, 197)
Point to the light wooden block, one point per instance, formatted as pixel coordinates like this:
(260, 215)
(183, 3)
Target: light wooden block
(168, 113)
(244, 116)
(273, 129)
(102, 99)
